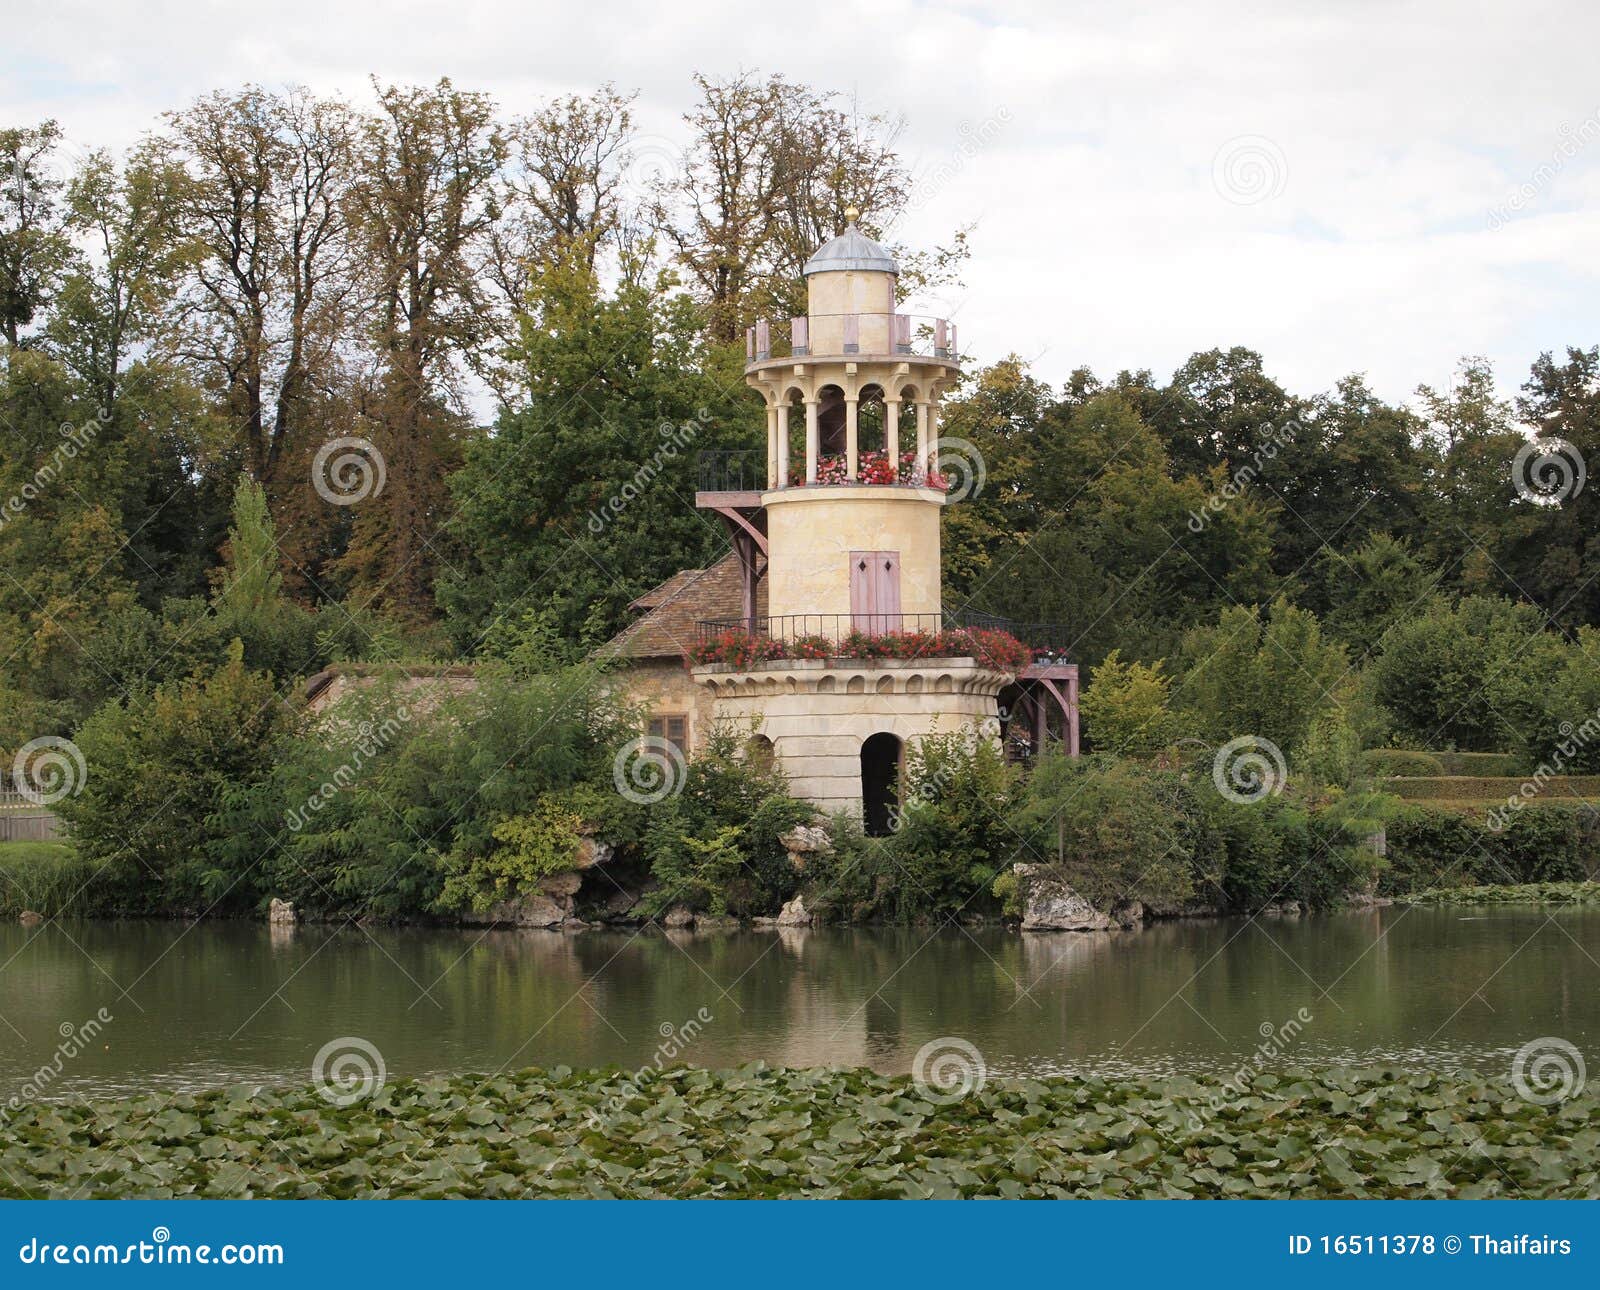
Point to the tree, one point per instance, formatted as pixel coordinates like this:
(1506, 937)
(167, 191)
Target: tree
(423, 208)
(33, 245)
(1269, 674)
(1125, 707)
(583, 497)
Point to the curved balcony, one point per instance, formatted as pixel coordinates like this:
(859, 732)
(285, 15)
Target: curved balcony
(863, 335)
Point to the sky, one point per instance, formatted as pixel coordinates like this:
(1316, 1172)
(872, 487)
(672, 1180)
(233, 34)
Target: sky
(1344, 186)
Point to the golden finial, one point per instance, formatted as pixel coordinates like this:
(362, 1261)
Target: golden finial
(851, 214)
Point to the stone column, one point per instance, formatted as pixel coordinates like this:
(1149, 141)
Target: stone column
(891, 433)
(772, 446)
(812, 437)
(922, 436)
(783, 446)
(933, 436)
(851, 437)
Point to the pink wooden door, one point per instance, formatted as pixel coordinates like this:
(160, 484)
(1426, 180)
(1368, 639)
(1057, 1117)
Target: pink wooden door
(875, 591)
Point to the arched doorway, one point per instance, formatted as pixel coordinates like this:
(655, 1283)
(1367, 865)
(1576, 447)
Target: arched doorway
(880, 783)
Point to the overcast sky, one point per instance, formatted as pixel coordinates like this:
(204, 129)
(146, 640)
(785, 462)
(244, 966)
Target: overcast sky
(1344, 186)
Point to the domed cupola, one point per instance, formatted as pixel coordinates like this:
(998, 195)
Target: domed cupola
(851, 252)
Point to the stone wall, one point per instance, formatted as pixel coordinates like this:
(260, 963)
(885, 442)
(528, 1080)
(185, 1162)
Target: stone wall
(818, 714)
(665, 685)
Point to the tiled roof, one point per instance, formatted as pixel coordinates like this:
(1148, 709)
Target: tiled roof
(667, 629)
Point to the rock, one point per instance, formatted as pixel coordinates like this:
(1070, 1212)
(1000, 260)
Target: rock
(1366, 900)
(1050, 905)
(592, 851)
(1127, 913)
(561, 884)
(678, 916)
(535, 910)
(573, 925)
(282, 912)
(618, 903)
(716, 923)
(806, 838)
(804, 841)
(30, 918)
(763, 921)
(794, 914)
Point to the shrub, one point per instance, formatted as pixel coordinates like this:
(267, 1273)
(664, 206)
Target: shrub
(528, 847)
(714, 846)
(158, 770)
(1431, 847)
(1125, 707)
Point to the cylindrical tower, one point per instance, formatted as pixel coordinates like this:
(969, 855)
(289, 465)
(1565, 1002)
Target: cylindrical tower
(853, 493)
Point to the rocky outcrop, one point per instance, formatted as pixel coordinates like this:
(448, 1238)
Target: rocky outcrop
(794, 914)
(592, 851)
(548, 905)
(1050, 905)
(804, 841)
(282, 913)
(30, 918)
(678, 916)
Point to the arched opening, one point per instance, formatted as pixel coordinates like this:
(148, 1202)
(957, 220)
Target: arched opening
(910, 468)
(797, 435)
(830, 421)
(880, 783)
(759, 754)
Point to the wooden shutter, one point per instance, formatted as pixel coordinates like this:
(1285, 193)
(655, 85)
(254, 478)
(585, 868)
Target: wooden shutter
(875, 591)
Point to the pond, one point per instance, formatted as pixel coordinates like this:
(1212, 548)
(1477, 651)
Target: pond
(208, 1004)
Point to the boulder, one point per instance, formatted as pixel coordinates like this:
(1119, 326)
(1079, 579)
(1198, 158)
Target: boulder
(30, 918)
(561, 884)
(678, 916)
(794, 914)
(804, 841)
(1050, 905)
(592, 851)
(537, 909)
(282, 912)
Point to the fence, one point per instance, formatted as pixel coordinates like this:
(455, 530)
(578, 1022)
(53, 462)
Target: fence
(22, 820)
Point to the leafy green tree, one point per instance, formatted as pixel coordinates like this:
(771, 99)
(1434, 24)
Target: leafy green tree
(1125, 706)
(1269, 674)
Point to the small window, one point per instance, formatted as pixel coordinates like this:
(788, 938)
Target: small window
(673, 727)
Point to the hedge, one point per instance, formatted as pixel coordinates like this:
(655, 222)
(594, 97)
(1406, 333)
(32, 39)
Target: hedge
(1431, 847)
(1387, 762)
(1493, 789)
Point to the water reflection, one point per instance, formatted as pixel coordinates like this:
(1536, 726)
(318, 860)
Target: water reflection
(217, 1003)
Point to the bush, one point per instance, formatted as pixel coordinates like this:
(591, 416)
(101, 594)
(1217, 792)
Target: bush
(1112, 830)
(1495, 790)
(158, 770)
(714, 846)
(1472, 763)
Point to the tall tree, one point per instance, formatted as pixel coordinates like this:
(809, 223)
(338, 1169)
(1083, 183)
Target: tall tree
(33, 246)
(424, 211)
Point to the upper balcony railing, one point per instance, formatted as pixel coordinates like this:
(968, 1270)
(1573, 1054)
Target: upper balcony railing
(844, 335)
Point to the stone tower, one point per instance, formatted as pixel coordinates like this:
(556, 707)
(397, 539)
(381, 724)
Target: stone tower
(855, 657)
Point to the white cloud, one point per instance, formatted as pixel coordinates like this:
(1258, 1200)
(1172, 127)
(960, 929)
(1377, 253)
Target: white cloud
(1101, 237)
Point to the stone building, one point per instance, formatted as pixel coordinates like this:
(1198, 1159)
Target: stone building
(825, 629)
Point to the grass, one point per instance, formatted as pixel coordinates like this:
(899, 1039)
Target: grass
(758, 1132)
(1525, 893)
(46, 877)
